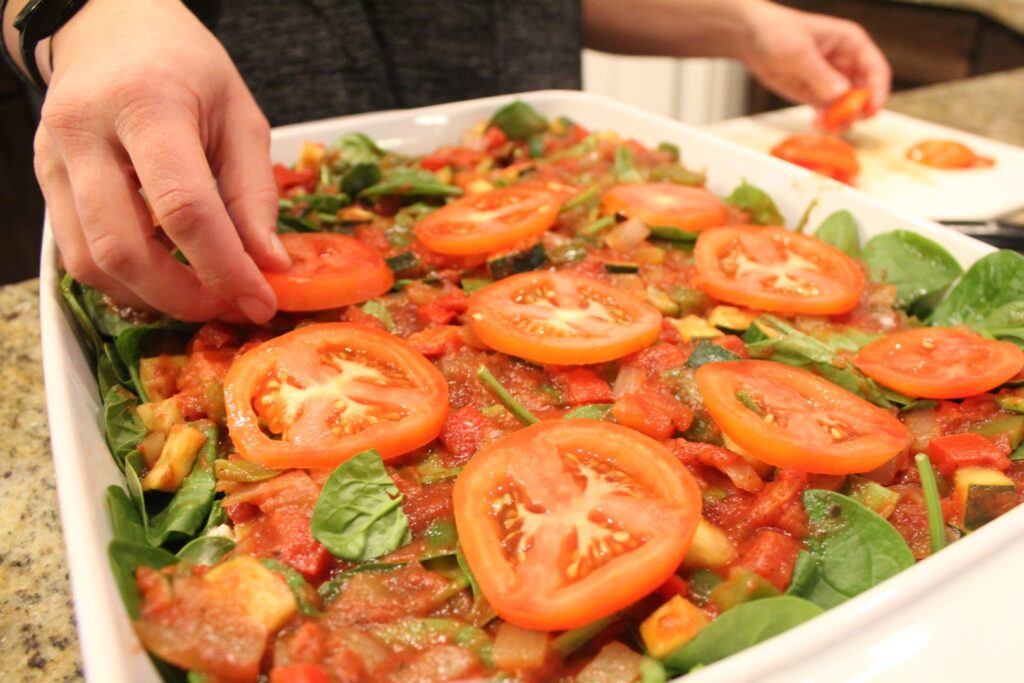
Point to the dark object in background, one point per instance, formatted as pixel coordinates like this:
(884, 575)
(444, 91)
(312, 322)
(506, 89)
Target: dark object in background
(1000, 234)
(21, 203)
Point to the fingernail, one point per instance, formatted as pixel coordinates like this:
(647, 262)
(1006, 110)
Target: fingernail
(256, 310)
(280, 253)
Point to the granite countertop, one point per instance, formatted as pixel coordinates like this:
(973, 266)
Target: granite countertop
(37, 635)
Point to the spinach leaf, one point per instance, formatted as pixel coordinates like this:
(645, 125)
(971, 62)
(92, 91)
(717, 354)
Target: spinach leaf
(852, 549)
(741, 627)
(771, 338)
(519, 121)
(122, 427)
(125, 521)
(297, 583)
(989, 297)
(190, 507)
(706, 352)
(358, 148)
(289, 223)
(69, 291)
(360, 177)
(129, 347)
(105, 318)
(624, 166)
(756, 203)
(919, 268)
(808, 584)
(330, 589)
(593, 411)
(358, 515)
(206, 550)
(840, 230)
(410, 182)
(125, 557)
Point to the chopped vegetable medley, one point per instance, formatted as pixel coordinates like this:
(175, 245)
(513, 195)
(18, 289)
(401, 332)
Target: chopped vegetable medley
(540, 406)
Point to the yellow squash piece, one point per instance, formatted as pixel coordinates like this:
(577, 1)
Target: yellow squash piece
(263, 594)
(695, 327)
(176, 459)
(710, 548)
(981, 495)
(671, 626)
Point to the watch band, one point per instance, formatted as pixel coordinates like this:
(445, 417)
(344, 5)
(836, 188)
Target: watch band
(39, 20)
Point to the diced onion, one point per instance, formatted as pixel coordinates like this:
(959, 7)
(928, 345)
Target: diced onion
(615, 663)
(630, 378)
(519, 649)
(627, 235)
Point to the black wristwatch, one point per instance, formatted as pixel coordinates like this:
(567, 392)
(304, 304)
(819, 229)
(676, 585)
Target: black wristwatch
(39, 20)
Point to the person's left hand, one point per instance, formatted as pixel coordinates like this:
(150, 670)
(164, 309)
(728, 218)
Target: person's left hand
(812, 58)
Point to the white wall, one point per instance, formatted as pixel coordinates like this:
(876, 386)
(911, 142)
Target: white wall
(696, 91)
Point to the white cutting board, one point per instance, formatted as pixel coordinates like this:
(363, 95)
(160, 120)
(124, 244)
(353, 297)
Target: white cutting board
(886, 173)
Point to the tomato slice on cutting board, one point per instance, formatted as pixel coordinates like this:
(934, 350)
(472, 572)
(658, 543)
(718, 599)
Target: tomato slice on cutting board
(845, 111)
(947, 155)
(322, 393)
(568, 521)
(824, 154)
(773, 269)
(561, 318)
(940, 362)
(656, 204)
(802, 421)
(490, 221)
(328, 270)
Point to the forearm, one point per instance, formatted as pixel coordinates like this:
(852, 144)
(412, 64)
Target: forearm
(673, 28)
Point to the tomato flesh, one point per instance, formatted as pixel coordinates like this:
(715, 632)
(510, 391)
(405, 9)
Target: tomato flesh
(328, 271)
(947, 155)
(489, 221)
(666, 204)
(824, 154)
(940, 362)
(773, 269)
(320, 394)
(806, 422)
(845, 110)
(561, 318)
(568, 521)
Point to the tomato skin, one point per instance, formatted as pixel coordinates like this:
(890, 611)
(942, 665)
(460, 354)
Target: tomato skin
(307, 440)
(536, 586)
(950, 453)
(488, 222)
(947, 155)
(816, 426)
(559, 318)
(652, 413)
(462, 434)
(772, 555)
(299, 673)
(581, 386)
(744, 265)
(328, 271)
(286, 179)
(845, 110)
(940, 362)
(443, 309)
(666, 204)
(822, 154)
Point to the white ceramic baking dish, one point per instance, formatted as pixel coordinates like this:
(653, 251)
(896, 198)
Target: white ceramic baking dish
(949, 618)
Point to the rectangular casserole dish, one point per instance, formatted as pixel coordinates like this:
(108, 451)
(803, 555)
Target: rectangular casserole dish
(905, 629)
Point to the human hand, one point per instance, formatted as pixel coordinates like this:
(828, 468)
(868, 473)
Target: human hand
(143, 95)
(812, 58)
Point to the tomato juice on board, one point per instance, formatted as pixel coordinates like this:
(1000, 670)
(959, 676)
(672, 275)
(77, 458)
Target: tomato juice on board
(540, 405)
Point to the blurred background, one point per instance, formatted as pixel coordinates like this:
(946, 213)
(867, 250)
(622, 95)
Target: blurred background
(928, 42)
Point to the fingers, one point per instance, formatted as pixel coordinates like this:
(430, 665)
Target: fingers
(168, 156)
(821, 81)
(875, 74)
(246, 182)
(67, 230)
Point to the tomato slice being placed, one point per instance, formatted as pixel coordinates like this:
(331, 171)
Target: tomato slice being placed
(568, 521)
(666, 204)
(824, 154)
(489, 221)
(845, 111)
(940, 362)
(561, 318)
(802, 421)
(947, 155)
(774, 269)
(328, 270)
(320, 394)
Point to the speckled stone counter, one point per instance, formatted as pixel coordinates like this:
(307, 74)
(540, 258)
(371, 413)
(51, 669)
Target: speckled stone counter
(37, 631)
(37, 636)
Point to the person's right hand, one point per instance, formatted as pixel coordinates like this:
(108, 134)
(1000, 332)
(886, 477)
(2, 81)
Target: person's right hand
(143, 95)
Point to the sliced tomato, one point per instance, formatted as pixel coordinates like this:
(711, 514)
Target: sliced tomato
(947, 155)
(774, 269)
(489, 221)
(845, 110)
(805, 422)
(320, 394)
(568, 521)
(824, 154)
(940, 362)
(328, 270)
(561, 318)
(669, 204)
